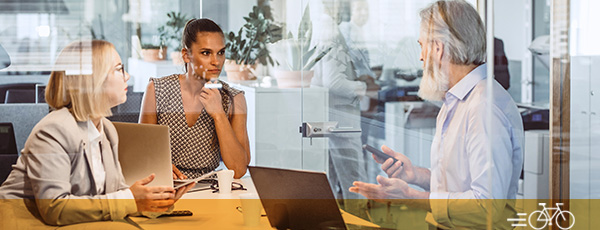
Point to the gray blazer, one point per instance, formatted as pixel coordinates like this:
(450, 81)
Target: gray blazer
(54, 170)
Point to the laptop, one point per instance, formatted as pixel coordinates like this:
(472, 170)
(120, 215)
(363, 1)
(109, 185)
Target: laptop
(8, 143)
(295, 199)
(145, 149)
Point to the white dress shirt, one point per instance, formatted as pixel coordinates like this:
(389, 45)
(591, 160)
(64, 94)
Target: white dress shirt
(98, 171)
(461, 167)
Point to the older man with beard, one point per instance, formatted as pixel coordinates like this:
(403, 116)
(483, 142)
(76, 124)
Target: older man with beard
(476, 154)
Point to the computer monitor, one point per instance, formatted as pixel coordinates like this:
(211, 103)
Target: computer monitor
(8, 144)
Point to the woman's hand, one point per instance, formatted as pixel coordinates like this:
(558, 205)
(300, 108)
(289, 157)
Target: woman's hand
(152, 199)
(183, 190)
(177, 174)
(212, 102)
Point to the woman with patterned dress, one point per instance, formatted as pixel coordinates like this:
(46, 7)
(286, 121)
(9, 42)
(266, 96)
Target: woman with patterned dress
(206, 124)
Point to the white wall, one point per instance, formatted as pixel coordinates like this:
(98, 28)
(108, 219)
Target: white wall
(238, 9)
(509, 25)
(584, 27)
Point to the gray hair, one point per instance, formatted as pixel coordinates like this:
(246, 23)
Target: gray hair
(457, 25)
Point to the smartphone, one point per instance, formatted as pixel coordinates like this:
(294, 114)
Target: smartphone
(379, 153)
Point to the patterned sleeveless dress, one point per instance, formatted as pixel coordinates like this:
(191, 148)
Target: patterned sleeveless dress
(195, 150)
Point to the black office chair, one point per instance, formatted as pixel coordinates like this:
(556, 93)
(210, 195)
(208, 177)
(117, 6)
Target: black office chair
(6, 163)
(8, 142)
(40, 91)
(19, 96)
(8, 150)
(130, 110)
(5, 87)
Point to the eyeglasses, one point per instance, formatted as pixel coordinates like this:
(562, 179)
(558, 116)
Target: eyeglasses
(234, 186)
(123, 72)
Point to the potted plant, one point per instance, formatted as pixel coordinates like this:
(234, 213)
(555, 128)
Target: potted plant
(170, 34)
(151, 52)
(249, 46)
(296, 56)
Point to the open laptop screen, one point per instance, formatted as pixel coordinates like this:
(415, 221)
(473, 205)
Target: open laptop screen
(145, 149)
(295, 199)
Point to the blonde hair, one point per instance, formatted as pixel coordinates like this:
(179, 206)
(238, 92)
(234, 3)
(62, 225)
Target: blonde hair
(77, 78)
(457, 25)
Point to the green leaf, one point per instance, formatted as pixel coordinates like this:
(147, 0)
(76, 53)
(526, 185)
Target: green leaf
(310, 64)
(249, 45)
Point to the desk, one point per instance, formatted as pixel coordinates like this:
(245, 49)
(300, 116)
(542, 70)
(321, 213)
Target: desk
(217, 211)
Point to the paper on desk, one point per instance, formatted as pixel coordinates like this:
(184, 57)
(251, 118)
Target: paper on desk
(183, 182)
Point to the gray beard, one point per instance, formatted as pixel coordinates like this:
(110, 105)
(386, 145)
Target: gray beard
(434, 83)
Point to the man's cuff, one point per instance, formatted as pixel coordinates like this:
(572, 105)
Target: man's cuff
(439, 207)
(361, 88)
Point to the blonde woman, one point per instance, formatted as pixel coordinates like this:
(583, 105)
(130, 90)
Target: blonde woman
(69, 171)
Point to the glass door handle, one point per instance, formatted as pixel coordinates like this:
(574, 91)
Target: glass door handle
(344, 130)
(325, 129)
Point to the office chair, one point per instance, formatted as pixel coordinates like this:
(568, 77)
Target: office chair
(8, 149)
(6, 163)
(5, 87)
(130, 110)
(8, 143)
(40, 93)
(19, 96)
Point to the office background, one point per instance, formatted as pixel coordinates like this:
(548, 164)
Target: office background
(553, 78)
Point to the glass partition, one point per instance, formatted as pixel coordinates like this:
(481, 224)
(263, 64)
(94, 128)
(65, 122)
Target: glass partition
(329, 77)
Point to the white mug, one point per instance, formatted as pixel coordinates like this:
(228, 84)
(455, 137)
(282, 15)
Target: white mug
(225, 178)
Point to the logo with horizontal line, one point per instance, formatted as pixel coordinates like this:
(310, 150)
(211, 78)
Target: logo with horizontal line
(539, 219)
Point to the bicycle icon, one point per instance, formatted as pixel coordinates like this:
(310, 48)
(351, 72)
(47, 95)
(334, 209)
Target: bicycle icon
(539, 219)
